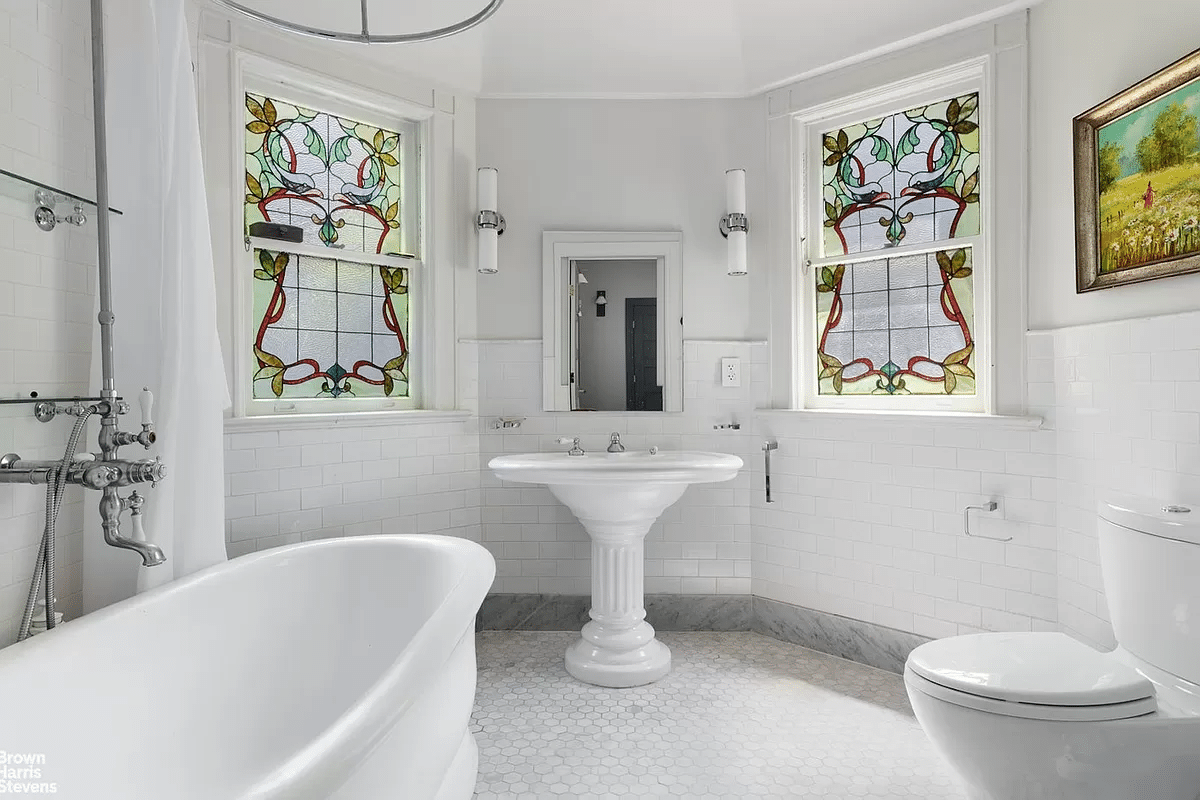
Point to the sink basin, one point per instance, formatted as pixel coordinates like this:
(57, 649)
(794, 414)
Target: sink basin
(632, 466)
(617, 497)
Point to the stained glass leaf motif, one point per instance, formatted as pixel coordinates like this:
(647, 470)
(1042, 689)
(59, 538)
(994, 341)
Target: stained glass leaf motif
(254, 192)
(329, 328)
(392, 372)
(830, 278)
(897, 326)
(907, 178)
(336, 178)
(314, 143)
(272, 370)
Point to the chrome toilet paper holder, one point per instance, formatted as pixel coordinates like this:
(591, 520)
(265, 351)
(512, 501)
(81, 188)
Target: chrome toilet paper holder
(990, 505)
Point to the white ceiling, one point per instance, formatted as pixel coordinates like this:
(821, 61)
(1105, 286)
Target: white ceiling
(582, 48)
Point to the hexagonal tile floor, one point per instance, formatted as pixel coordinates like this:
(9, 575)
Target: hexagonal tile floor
(741, 715)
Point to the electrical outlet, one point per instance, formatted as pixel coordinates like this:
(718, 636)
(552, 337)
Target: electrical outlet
(731, 372)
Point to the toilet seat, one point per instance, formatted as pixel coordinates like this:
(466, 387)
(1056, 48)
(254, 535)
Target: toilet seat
(1047, 676)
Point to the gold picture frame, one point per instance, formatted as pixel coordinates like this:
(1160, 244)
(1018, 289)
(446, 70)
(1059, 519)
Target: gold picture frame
(1147, 133)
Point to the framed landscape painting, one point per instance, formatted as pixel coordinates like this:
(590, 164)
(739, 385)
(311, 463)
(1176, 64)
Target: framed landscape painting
(1137, 181)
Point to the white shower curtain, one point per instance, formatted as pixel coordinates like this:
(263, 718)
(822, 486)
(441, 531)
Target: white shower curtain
(164, 298)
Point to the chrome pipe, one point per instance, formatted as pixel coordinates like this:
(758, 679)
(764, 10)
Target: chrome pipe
(87, 473)
(104, 265)
(365, 37)
(43, 574)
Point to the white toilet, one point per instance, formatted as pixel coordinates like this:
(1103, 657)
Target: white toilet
(1039, 716)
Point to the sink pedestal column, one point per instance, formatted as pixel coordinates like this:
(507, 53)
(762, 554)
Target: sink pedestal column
(618, 647)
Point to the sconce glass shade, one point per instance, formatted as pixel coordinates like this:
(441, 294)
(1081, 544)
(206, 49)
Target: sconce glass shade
(489, 234)
(735, 207)
(737, 253)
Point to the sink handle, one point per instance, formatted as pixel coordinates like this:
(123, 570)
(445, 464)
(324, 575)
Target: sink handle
(575, 450)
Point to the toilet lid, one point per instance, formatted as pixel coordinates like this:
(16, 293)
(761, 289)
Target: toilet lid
(1049, 669)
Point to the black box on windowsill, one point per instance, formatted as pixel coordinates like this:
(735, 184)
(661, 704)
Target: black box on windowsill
(276, 230)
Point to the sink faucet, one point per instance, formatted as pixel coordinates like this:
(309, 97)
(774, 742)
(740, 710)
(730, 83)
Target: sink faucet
(614, 443)
(575, 450)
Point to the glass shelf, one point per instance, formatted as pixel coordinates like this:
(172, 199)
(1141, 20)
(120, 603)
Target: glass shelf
(38, 193)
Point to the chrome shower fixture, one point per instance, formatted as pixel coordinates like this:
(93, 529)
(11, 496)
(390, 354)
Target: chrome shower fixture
(105, 471)
(365, 35)
(46, 217)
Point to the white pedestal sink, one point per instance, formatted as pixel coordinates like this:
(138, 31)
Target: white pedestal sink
(617, 497)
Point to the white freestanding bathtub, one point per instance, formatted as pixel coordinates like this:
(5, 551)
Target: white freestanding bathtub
(335, 670)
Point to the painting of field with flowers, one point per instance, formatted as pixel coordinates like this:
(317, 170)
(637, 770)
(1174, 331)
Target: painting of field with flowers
(1148, 174)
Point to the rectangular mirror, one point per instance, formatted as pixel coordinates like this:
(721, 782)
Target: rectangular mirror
(612, 330)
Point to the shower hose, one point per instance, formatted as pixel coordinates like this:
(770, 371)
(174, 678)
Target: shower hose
(43, 571)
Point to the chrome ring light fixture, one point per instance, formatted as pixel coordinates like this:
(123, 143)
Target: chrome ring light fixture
(365, 36)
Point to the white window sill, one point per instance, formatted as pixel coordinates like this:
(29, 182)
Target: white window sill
(360, 419)
(958, 418)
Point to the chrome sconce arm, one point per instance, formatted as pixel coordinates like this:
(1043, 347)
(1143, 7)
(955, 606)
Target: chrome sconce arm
(491, 220)
(734, 222)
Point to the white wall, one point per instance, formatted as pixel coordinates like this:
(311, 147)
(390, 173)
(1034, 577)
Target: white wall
(868, 523)
(47, 280)
(1081, 53)
(620, 165)
(1122, 396)
(288, 481)
(623, 165)
(292, 485)
(1125, 400)
(869, 518)
(602, 365)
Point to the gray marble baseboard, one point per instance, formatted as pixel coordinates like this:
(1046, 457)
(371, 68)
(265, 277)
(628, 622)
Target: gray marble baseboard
(854, 640)
(666, 612)
(851, 639)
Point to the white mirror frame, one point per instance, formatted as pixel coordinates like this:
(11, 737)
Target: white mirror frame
(559, 249)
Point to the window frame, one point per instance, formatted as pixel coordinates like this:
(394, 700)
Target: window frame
(258, 75)
(807, 126)
(316, 405)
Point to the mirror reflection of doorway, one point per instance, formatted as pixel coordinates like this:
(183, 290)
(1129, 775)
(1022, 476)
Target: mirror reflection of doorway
(614, 334)
(642, 392)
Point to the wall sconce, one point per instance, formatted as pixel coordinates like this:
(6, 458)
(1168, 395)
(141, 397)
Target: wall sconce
(733, 224)
(601, 303)
(490, 222)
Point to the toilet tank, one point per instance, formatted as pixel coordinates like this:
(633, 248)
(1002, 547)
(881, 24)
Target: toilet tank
(1150, 560)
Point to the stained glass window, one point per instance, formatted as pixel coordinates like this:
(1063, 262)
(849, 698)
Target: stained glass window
(897, 326)
(906, 178)
(338, 179)
(329, 328)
